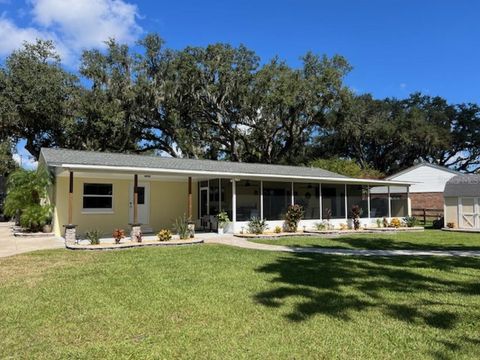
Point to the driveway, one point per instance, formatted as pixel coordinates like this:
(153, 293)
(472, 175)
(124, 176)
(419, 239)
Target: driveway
(12, 245)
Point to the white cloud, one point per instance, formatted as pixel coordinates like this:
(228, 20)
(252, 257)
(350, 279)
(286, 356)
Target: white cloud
(11, 36)
(73, 24)
(25, 161)
(403, 85)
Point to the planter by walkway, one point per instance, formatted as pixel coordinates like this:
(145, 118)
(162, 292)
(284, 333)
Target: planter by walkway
(330, 232)
(128, 245)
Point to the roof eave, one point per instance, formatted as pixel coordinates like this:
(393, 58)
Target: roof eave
(98, 168)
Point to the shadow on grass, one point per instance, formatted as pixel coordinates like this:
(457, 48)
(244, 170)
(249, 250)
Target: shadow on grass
(416, 291)
(385, 243)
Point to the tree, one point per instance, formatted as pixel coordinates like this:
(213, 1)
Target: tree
(38, 93)
(347, 167)
(7, 164)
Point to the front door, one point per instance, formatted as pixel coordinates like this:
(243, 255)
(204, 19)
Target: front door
(143, 203)
(469, 213)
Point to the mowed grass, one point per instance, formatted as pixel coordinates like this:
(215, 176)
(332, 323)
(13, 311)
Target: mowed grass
(428, 239)
(218, 302)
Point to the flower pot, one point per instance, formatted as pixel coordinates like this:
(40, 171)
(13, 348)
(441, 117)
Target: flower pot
(220, 231)
(47, 228)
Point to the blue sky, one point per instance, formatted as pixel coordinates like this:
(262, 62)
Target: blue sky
(396, 47)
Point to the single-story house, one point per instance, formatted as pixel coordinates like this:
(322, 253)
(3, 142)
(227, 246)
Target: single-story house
(462, 202)
(104, 191)
(428, 182)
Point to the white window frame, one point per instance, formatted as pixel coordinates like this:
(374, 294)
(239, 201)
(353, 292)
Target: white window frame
(97, 210)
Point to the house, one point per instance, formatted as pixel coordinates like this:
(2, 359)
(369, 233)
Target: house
(428, 182)
(103, 191)
(462, 202)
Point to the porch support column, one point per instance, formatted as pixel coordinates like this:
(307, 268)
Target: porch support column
(136, 231)
(234, 204)
(135, 199)
(389, 204)
(261, 199)
(70, 199)
(409, 202)
(189, 208)
(346, 203)
(191, 223)
(70, 229)
(320, 213)
(368, 201)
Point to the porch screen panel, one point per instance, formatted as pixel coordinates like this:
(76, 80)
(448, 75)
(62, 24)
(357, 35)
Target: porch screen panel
(333, 200)
(399, 201)
(248, 199)
(308, 196)
(358, 195)
(214, 194)
(226, 197)
(378, 201)
(276, 198)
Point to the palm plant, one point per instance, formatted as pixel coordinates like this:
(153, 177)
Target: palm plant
(27, 193)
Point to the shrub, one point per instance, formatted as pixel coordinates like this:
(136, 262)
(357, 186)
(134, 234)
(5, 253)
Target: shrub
(438, 224)
(278, 229)
(118, 234)
(93, 236)
(327, 214)
(257, 226)
(292, 217)
(164, 235)
(343, 227)
(223, 219)
(379, 223)
(385, 222)
(410, 221)
(395, 223)
(321, 226)
(26, 192)
(35, 216)
(181, 227)
(355, 214)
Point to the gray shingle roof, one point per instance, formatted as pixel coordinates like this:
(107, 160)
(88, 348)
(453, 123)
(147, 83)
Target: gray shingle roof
(463, 185)
(57, 157)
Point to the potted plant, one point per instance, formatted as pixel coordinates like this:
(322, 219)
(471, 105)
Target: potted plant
(118, 234)
(223, 220)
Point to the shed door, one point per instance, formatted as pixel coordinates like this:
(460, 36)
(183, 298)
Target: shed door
(469, 217)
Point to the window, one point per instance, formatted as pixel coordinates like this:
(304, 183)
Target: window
(308, 196)
(97, 196)
(358, 195)
(333, 201)
(277, 196)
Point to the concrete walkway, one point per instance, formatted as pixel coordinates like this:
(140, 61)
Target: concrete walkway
(242, 243)
(12, 245)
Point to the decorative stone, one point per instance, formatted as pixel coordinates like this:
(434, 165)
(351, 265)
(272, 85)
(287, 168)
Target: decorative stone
(136, 232)
(191, 229)
(70, 234)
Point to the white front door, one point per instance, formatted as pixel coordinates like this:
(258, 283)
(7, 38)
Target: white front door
(143, 203)
(469, 213)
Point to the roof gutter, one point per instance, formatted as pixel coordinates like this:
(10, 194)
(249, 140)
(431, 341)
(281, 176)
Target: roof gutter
(229, 174)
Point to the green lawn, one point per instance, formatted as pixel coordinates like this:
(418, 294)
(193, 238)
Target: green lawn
(428, 239)
(218, 302)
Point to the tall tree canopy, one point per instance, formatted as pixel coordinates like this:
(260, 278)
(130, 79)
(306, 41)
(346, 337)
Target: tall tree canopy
(222, 102)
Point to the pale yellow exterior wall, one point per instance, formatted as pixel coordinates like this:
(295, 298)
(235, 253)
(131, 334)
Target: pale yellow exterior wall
(168, 200)
(451, 210)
